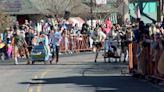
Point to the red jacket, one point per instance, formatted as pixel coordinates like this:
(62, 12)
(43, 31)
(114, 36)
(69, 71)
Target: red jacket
(110, 23)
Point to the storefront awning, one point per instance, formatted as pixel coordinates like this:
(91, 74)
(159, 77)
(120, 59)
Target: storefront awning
(75, 20)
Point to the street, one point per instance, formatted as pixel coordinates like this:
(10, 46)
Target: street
(73, 73)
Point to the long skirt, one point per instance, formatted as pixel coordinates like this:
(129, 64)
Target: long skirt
(9, 50)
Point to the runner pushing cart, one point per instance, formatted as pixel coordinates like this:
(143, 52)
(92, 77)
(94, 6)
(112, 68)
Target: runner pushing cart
(110, 43)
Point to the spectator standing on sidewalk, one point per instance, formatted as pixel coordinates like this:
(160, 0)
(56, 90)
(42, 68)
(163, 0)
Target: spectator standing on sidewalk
(47, 26)
(31, 25)
(64, 24)
(85, 33)
(8, 43)
(3, 49)
(61, 30)
(116, 33)
(127, 42)
(85, 28)
(22, 30)
(90, 38)
(43, 31)
(106, 30)
(98, 24)
(16, 26)
(141, 30)
(28, 37)
(66, 41)
(55, 25)
(5, 34)
(75, 29)
(1, 36)
(127, 23)
(55, 37)
(122, 34)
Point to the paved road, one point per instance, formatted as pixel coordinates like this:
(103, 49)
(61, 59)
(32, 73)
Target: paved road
(72, 74)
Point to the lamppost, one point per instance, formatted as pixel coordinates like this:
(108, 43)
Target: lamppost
(91, 13)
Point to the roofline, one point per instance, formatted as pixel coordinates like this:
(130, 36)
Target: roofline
(135, 1)
(22, 14)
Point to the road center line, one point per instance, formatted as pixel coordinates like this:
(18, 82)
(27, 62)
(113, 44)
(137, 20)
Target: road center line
(30, 90)
(35, 77)
(42, 76)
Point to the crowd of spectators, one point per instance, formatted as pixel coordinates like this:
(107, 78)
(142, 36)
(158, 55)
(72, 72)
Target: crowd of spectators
(29, 33)
(123, 35)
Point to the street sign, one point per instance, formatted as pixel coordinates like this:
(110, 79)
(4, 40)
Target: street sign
(98, 2)
(11, 5)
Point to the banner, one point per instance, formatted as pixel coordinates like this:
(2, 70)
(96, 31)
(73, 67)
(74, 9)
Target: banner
(98, 2)
(137, 11)
(11, 5)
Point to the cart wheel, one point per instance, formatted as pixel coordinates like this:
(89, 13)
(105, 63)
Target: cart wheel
(45, 62)
(33, 62)
(104, 60)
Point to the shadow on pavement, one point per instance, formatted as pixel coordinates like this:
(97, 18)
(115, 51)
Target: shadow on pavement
(101, 83)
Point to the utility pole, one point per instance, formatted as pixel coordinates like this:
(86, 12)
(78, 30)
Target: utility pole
(91, 13)
(160, 11)
(123, 14)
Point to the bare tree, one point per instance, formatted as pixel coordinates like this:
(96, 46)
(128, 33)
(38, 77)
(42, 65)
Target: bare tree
(6, 21)
(102, 11)
(123, 7)
(61, 8)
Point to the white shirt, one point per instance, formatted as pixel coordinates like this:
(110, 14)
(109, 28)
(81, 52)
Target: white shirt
(99, 37)
(55, 38)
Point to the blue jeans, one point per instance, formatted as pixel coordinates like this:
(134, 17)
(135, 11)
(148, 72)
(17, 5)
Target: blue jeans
(106, 45)
(66, 44)
(55, 49)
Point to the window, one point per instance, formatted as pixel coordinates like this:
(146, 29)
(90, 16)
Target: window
(146, 9)
(152, 7)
